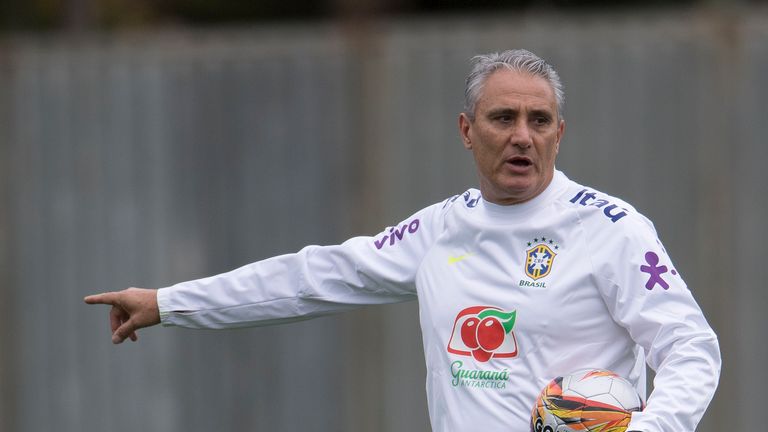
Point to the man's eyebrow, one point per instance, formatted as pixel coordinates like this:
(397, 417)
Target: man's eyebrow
(506, 111)
(542, 112)
(501, 111)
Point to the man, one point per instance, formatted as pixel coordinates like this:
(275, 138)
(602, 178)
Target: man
(529, 278)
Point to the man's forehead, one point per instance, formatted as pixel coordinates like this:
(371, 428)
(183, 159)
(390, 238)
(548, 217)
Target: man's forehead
(507, 87)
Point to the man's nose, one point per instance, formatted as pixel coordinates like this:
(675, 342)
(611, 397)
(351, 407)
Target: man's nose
(521, 135)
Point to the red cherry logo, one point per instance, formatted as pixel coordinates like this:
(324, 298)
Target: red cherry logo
(486, 332)
(469, 332)
(490, 334)
(481, 355)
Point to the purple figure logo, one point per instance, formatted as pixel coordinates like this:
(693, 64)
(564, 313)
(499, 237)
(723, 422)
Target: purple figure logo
(654, 271)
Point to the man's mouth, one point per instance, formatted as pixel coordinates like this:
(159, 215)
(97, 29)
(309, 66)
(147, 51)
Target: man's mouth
(520, 161)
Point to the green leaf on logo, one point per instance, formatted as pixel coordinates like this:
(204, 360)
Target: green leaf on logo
(507, 318)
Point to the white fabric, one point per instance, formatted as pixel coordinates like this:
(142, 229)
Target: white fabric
(591, 301)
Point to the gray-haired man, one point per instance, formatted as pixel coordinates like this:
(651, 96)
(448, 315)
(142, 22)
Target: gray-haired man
(528, 278)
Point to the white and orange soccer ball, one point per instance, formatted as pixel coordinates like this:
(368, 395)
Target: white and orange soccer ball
(593, 400)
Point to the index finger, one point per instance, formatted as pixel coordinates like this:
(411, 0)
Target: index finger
(109, 298)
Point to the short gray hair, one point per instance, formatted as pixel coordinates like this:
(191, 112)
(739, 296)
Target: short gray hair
(518, 60)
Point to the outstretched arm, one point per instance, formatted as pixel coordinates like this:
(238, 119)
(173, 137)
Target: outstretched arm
(132, 309)
(316, 281)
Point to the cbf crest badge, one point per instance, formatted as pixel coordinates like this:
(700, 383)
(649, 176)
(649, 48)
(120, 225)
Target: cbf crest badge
(540, 258)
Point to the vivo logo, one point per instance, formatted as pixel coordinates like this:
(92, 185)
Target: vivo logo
(612, 211)
(396, 234)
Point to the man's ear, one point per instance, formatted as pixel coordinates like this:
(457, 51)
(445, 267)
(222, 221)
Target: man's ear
(465, 125)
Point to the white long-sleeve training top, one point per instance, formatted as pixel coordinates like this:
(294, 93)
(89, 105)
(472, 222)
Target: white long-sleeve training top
(509, 298)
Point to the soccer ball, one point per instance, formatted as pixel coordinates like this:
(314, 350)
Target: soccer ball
(593, 400)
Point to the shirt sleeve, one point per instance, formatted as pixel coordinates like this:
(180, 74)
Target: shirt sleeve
(315, 281)
(646, 294)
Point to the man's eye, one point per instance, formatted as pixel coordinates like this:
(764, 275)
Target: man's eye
(541, 121)
(504, 118)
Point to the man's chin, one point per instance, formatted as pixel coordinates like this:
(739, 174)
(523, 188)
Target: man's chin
(519, 189)
(519, 186)
(513, 193)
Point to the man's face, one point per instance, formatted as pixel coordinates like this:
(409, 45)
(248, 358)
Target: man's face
(514, 137)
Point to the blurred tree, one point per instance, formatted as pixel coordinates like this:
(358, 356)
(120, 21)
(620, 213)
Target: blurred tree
(78, 15)
(208, 12)
(30, 14)
(75, 15)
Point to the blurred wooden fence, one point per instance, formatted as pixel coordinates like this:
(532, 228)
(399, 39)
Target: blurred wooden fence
(147, 159)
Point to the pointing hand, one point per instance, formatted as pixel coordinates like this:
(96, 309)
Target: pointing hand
(132, 309)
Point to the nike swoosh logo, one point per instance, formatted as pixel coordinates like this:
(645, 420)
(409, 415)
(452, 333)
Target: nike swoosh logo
(454, 260)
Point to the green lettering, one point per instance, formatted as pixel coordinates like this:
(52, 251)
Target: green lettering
(477, 378)
(455, 370)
